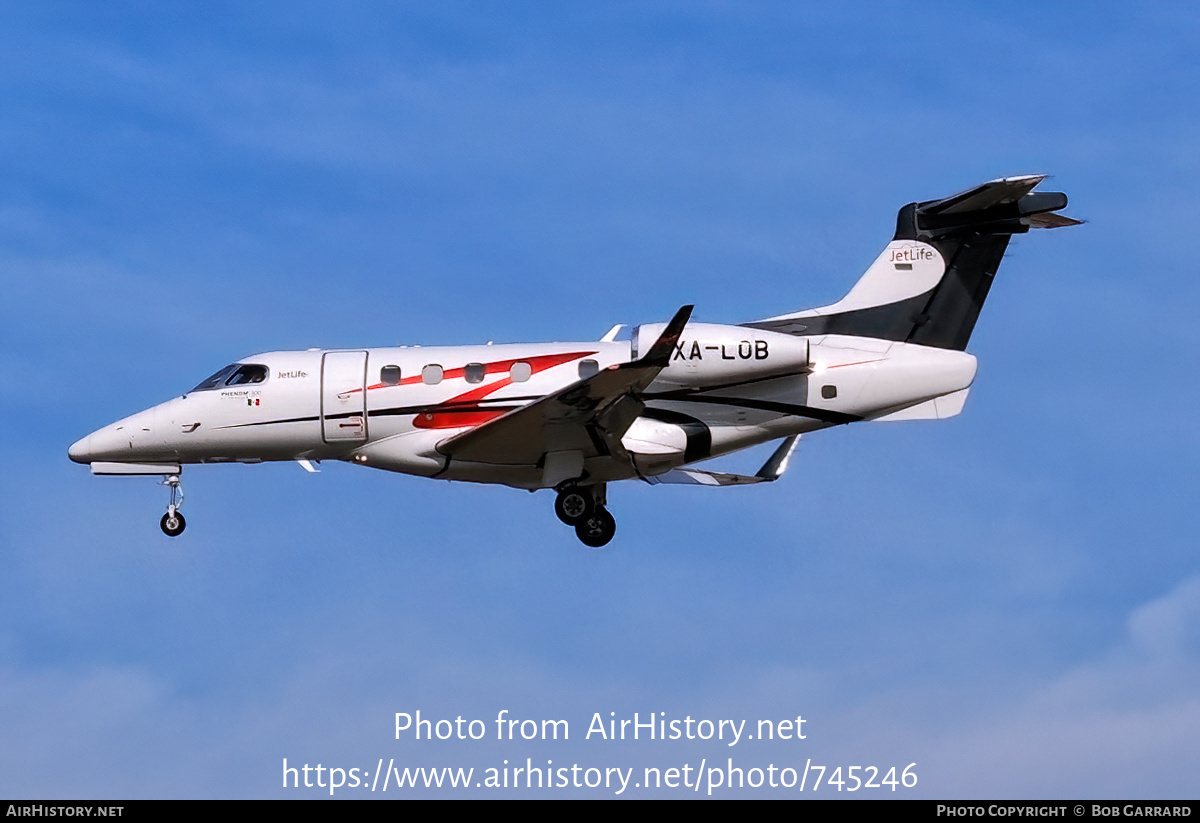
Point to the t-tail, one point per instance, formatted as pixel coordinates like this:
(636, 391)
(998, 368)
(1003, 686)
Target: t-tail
(929, 284)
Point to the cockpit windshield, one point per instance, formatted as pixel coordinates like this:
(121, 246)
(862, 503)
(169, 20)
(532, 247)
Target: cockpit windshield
(235, 374)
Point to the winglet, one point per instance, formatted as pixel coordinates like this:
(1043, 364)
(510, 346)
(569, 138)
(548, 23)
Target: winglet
(777, 463)
(660, 353)
(612, 333)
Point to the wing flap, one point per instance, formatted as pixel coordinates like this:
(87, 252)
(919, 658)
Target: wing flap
(699, 477)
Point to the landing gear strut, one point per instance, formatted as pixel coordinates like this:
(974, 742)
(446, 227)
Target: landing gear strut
(584, 508)
(172, 522)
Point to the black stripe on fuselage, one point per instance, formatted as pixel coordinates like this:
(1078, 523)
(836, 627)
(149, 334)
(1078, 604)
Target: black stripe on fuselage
(269, 423)
(474, 405)
(837, 418)
(699, 436)
(702, 438)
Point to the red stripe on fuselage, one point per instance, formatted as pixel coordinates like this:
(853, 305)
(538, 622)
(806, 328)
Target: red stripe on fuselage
(457, 411)
(456, 419)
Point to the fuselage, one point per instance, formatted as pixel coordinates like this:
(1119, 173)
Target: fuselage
(727, 387)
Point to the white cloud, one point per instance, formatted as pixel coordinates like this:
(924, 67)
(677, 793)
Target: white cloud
(1125, 725)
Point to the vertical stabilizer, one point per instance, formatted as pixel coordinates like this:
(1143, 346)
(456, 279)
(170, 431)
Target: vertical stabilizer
(930, 283)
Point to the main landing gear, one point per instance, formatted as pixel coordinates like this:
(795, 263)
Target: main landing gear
(583, 508)
(172, 522)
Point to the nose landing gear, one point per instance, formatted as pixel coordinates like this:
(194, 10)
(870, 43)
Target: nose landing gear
(172, 522)
(584, 508)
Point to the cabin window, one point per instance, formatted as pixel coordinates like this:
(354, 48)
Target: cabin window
(587, 368)
(520, 372)
(474, 372)
(390, 375)
(829, 392)
(431, 375)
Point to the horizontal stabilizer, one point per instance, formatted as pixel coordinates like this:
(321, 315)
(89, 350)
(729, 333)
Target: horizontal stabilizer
(986, 195)
(999, 207)
(1052, 220)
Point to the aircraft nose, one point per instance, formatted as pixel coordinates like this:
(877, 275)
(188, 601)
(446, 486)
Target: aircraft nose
(81, 450)
(110, 443)
(134, 438)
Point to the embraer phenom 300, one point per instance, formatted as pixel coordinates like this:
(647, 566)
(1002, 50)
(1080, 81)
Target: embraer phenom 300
(574, 417)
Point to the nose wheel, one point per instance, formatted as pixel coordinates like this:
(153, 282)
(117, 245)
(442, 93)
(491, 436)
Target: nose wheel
(584, 508)
(172, 523)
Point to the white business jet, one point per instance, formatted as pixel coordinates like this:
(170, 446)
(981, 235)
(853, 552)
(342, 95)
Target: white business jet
(574, 417)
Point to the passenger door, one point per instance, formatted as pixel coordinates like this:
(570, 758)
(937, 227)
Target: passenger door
(344, 396)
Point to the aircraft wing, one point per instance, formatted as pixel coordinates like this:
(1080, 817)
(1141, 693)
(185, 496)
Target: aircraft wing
(589, 416)
(771, 471)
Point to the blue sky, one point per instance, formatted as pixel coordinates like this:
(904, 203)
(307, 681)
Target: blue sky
(1009, 599)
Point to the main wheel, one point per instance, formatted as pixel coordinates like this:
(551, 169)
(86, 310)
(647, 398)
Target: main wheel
(598, 529)
(573, 505)
(172, 524)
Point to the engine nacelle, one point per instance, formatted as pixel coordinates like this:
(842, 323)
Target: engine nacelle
(655, 446)
(710, 354)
